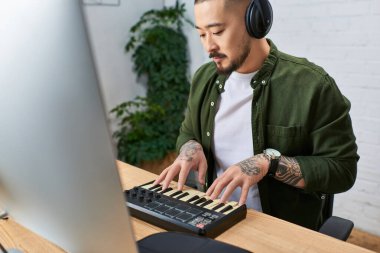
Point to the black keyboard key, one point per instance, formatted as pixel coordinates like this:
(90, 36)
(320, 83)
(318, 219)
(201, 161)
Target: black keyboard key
(201, 200)
(182, 195)
(217, 206)
(175, 194)
(206, 203)
(154, 187)
(192, 198)
(158, 189)
(167, 190)
(227, 208)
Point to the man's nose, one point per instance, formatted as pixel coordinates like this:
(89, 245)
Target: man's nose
(210, 45)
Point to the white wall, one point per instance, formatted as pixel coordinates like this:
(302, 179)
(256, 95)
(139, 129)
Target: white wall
(109, 28)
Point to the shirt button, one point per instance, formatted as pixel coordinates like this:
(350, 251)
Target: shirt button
(220, 86)
(263, 81)
(212, 103)
(208, 134)
(217, 81)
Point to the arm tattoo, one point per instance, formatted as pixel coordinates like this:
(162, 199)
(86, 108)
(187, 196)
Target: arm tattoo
(251, 166)
(188, 150)
(289, 171)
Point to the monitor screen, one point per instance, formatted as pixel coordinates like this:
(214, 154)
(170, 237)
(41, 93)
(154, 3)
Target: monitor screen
(57, 166)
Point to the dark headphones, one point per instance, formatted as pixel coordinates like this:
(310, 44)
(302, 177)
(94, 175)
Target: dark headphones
(258, 18)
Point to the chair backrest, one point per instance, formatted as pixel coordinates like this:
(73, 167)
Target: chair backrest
(336, 227)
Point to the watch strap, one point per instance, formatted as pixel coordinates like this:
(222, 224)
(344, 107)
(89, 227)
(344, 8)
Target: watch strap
(273, 166)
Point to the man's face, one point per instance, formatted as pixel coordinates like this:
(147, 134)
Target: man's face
(223, 35)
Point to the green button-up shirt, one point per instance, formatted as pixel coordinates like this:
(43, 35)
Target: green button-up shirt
(298, 110)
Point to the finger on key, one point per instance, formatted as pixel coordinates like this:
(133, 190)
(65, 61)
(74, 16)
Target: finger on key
(212, 187)
(162, 175)
(219, 187)
(184, 172)
(229, 190)
(172, 172)
(244, 194)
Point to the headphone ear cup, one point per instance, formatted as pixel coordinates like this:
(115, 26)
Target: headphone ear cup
(258, 18)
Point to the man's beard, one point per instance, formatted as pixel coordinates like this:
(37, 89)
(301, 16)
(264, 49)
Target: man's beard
(235, 64)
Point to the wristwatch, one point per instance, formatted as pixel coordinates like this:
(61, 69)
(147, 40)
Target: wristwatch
(274, 157)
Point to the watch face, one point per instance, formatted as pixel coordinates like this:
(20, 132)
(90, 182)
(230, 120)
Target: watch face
(272, 152)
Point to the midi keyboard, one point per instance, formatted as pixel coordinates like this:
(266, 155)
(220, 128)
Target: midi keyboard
(186, 211)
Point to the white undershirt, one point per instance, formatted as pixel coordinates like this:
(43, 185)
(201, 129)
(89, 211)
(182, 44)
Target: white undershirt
(232, 142)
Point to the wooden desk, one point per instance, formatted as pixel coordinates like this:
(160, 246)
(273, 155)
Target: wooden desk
(258, 232)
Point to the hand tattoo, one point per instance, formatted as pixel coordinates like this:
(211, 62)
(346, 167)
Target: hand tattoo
(289, 171)
(188, 150)
(251, 166)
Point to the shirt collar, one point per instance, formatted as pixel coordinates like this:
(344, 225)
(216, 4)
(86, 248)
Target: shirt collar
(263, 75)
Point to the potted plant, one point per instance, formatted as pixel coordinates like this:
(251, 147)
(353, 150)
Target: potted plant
(148, 126)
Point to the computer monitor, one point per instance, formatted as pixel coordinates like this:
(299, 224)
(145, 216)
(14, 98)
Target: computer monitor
(57, 166)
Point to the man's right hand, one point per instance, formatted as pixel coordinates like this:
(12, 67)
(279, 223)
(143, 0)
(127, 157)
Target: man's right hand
(191, 157)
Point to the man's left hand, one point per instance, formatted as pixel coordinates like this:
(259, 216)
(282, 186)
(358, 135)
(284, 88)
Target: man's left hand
(243, 174)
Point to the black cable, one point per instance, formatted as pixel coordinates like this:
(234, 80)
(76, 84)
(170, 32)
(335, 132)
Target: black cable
(3, 216)
(3, 249)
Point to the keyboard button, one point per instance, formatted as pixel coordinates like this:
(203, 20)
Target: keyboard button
(182, 207)
(172, 212)
(184, 217)
(162, 209)
(152, 205)
(207, 214)
(194, 211)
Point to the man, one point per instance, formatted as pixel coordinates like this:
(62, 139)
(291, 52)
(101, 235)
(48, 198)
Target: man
(255, 109)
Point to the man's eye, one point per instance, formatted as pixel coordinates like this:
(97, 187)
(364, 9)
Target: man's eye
(202, 35)
(218, 32)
